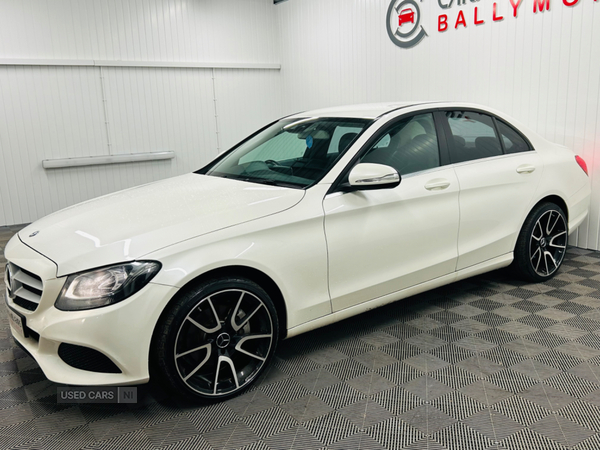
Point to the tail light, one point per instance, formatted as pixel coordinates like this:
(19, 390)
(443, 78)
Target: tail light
(582, 164)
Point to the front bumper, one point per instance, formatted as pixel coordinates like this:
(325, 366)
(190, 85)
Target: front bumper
(122, 332)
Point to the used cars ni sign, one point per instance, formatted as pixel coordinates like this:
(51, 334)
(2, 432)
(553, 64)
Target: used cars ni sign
(314, 218)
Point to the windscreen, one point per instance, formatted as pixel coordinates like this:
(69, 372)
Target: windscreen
(291, 152)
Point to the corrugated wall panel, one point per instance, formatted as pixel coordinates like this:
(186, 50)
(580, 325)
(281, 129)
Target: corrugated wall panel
(61, 111)
(162, 110)
(246, 101)
(542, 68)
(156, 30)
(45, 113)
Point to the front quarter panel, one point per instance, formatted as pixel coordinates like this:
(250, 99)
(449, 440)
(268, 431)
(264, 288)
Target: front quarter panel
(289, 247)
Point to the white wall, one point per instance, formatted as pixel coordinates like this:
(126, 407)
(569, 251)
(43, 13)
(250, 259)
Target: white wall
(59, 108)
(543, 69)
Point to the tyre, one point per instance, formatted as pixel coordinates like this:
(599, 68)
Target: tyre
(542, 243)
(215, 341)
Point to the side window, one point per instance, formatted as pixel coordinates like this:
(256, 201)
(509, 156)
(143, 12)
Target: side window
(472, 136)
(410, 145)
(512, 140)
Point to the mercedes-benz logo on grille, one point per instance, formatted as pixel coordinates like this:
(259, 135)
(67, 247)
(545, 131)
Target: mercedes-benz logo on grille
(34, 234)
(223, 340)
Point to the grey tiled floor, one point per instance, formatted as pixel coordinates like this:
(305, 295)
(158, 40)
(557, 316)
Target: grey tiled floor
(487, 363)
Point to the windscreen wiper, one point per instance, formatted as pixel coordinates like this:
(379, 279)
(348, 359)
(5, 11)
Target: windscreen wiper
(270, 182)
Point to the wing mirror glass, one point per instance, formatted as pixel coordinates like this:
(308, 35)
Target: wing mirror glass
(372, 176)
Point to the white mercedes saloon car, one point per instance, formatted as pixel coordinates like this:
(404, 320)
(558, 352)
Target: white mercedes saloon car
(312, 219)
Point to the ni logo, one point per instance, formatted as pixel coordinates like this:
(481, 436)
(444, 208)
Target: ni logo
(404, 23)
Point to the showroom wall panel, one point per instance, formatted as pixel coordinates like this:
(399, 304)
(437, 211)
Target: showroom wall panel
(248, 98)
(142, 30)
(91, 78)
(543, 68)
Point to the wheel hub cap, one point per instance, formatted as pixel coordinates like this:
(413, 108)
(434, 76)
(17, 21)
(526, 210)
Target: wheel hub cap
(223, 340)
(543, 242)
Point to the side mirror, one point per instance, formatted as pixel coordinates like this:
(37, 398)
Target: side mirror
(372, 176)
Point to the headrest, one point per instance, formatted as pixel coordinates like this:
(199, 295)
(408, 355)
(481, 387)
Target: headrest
(345, 141)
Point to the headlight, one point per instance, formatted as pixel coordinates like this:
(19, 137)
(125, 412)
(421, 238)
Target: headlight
(106, 286)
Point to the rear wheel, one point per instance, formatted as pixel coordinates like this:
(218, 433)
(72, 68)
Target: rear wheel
(217, 339)
(542, 243)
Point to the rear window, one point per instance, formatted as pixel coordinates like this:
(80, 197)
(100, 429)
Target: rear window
(512, 140)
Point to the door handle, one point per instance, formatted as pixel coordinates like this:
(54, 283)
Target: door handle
(525, 168)
(437, 184)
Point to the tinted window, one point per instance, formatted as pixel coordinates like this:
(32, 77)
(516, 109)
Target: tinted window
(473, 136)
(409, 146)
(512, 140)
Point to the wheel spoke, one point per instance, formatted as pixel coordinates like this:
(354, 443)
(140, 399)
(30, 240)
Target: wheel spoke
(237, 326)
(550, 228)
(193, 350)
(538, 224)
(552, 244)
(197, 368)
(225, 359)
(537, 250)
(548, 254)
(203, 328)
(217, 320)
(242, 341)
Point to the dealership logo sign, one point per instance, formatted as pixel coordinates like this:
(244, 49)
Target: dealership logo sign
(404, 23)
(404, 16)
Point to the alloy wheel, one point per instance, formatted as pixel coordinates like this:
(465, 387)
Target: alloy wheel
(548, 243)
(223, 342)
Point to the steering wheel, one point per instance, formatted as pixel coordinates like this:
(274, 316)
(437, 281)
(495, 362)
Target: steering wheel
(274, 165)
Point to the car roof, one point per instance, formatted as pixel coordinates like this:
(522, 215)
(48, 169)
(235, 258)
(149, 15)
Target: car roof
(375, 110)
(364, 111)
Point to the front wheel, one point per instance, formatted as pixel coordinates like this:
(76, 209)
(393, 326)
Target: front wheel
(542, 243)
(217, 339)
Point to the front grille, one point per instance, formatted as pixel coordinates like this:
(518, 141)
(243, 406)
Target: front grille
(24, 288)
(86, 358)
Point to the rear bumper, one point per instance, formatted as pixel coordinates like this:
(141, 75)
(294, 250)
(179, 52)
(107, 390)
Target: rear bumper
(122, 332)
(579, 205)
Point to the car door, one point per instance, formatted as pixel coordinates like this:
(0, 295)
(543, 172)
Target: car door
(498, 172)
(383, 241)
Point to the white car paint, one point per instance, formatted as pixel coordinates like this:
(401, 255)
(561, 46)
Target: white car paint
(400, 237)
(332, 255)
(148, 220)
(495, 198)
